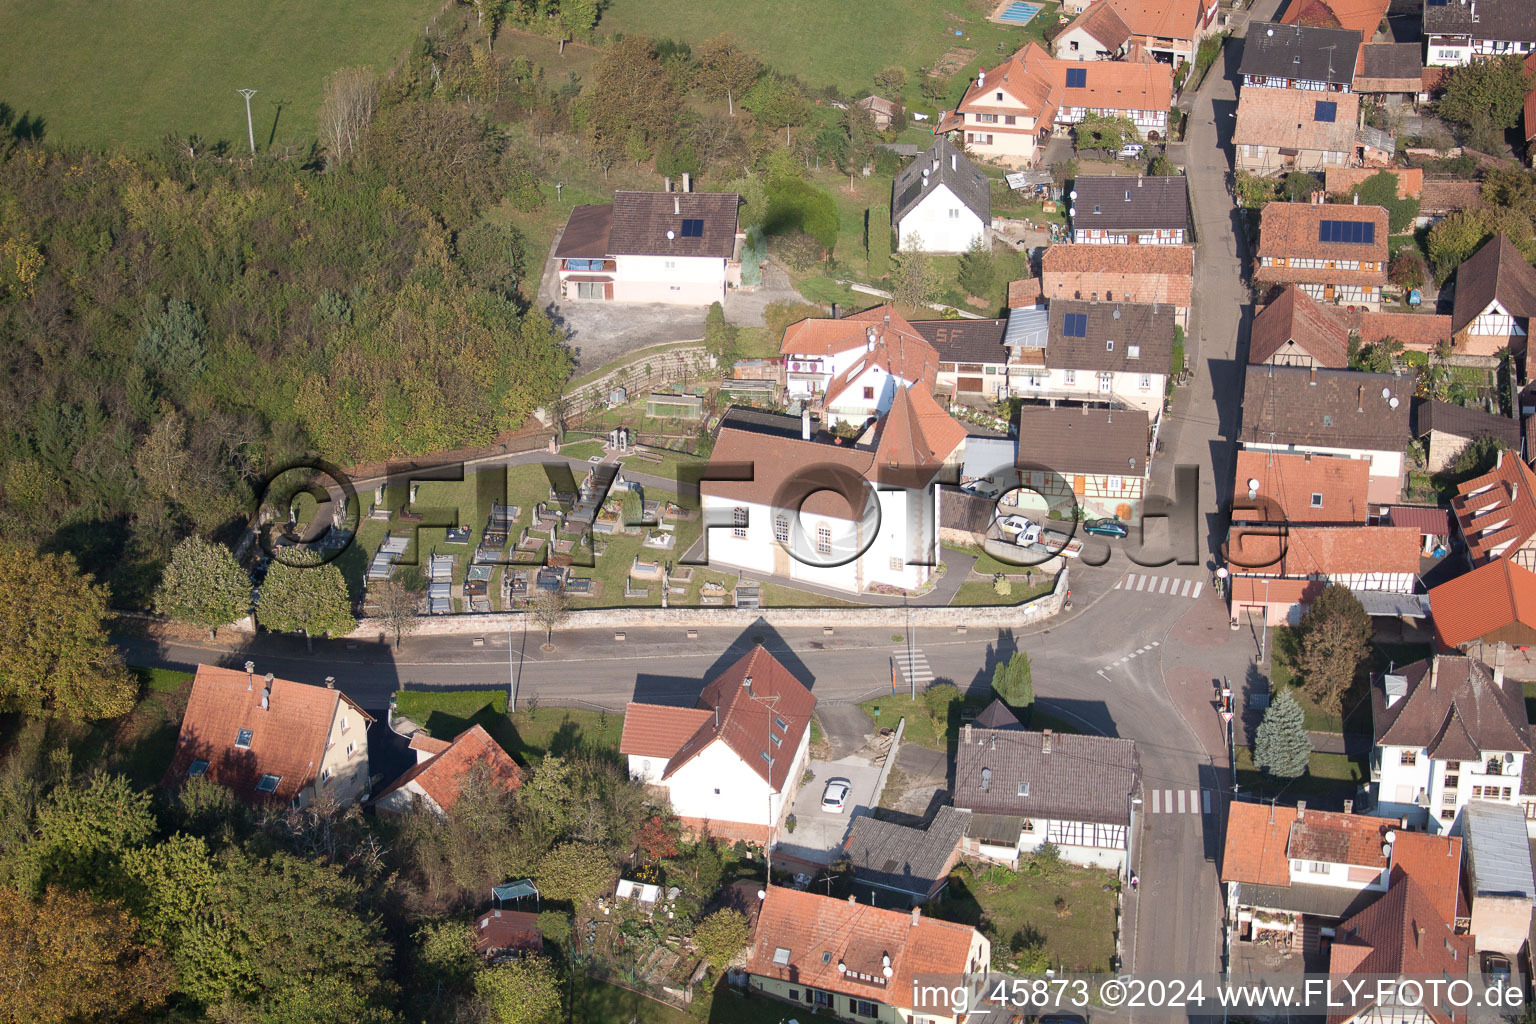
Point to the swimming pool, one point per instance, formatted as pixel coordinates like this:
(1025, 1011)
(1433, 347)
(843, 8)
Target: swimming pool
(1018, 12)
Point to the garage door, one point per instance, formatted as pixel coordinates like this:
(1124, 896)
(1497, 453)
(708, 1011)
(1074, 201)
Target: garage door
(969, 385)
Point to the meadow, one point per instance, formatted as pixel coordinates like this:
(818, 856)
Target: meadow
(132, 71)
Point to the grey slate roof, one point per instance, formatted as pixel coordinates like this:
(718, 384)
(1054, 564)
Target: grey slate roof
(971, 513)
(1301, 52)
(1122, 203)
(965, 341)
(946, 165)
(1328, 408)
(1512, 20)
(1498, 852)
(1082, 778)
(1147, 327)
(997, 716)
(1461, 421)
(641, 221)
(1392, 60)
(1496, 271)
(1084, 440)
(910, 860)
(1329, 901)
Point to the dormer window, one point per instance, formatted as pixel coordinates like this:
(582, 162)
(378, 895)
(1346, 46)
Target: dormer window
(1317, 500)
(198, 767)
(1023, 789)
(243, 739)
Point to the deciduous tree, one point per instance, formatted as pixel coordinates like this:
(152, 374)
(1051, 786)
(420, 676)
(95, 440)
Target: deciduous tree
(203, 586)
(725, 67)
(549, 609)
(346, 110)
(573, 872)
(55, 656)
(915, 280)
(1485, 97)
(1281, 746)
(525, 991)
(721, 937)
(1335, 639)
(305, 598)
(399, 607)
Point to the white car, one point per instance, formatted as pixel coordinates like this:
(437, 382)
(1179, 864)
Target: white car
(835, 796)
(1025, 531)
(1132, 151)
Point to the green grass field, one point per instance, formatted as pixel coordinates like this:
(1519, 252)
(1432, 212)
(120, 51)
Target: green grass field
(1070, 908)
(527, 734)
(131, 72)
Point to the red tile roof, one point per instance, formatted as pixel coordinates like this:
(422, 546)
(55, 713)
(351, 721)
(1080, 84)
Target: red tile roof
(1037, 81)
(1290, 230)
(421, 741)
(778, 462)
(1496, 512)
(1419, 332)
(1434, 864)
(1494, 602)
(745, 717)
(1169, 19)
(655, 730)
(508, 930)
(288, 737)
(819, 935)
(1323, 550)
(1265, 590)
(916, 435)
(1262, 839)
(821, 336)
(1291, 479)
(1133, 273)
(1410, 180)
(442, 775)
(1104, 24)
(1364, 16)
(899, 351)
(1295, 321)
(1286, 117)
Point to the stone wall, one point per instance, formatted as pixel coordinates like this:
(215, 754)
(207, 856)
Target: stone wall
(990, 617)
(642, 371)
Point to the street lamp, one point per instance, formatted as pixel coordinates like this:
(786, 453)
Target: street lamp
(250, 130)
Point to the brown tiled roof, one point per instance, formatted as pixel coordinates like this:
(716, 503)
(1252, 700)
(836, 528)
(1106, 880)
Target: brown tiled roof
(1430, 521)
(421, 741)
(744, 718)
(965, 341)
(586, 233)
(442, 775)
(1149, 328)
(780, 461)
(1044, 775)
(1496, 271)
(1494, 603)
(837, 946)
(1262, 838)
(1291, 230)
(1513, 20)
(1390, 67)
(1496, 512)
(1119, 203)
(508, 930)
(1419, 332)
(823, 336)
(1440, 198)
(1292, 405)
(1323, 550)
(1268, 590)
(1401, 934)
(1434, 864)
(656, 730)
(1290, 479)
(1038, 95)
(1315, 13)
(1287, 117)
(288, 737)
(1038, 81)
(1364, 16)
(900, 352)
(1341, 180)
(1104, 24)
(1295, 321)
(1132, 273)
(916, 435)
(1461, 421)
(997, 715)
(1453, 709)
(642, 220)
(1084, 440)
(1023, 292)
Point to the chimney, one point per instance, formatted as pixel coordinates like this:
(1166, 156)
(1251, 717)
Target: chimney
(250, 674)
(1312, 381)
(1349, 807)
(1498, 664)
(687, 181)
(677, 207)
(1138, 181)
(834, 311)
(330, 682)
(1360, 398)
(746, 684)
(1301, 809)
(965, 734)
(852, 898)
(666, 183)
(805, 423)
(1434, 673)
(917, 915)
(1045, 742)
(1357, 198)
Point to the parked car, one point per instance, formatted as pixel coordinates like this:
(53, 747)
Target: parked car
(835, 796)
(1106, 528)
(1132, 151)
(1496, 968)
(1023, 530)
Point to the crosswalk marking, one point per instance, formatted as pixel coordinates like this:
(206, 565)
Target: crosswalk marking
(914, 666)
(1181, 801)
(1165, 586)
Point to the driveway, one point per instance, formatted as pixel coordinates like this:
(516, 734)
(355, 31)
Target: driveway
(844, 727)
(601, 332)
(819, 834)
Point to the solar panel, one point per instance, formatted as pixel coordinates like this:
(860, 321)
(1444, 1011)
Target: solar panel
(693, 228)
(1353, 232)
(1076, 325)
(1077, 78)
(1326, 111)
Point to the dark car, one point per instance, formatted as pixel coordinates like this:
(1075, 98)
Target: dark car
(1106, 528)
(1496, 968)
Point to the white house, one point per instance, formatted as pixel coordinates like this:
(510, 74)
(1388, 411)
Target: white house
(730, 763)
(1495, 299)
(1118, 211)
(1448, 730)
(941, 202)
(1025, 789)
(1458, 33)
(443, 767)
(1113, 352)
(671, 247)
(1277, 56)
(1100, 34)
(819, 353)
(824, 511)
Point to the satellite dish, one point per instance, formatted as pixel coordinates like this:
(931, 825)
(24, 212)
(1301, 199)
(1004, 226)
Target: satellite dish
(670, 236)
(885, 971)
(1386, 392)
(1072, 213)
(842, 968)
(1072, 195)
(1386, 849)
(762, 894)
(1393, 404)
(1269, 32)
(1390, 836)
(1253, 484)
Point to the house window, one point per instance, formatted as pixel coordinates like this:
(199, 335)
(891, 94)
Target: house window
(1317, 500)
(1069, 377)
(350, 747)
(864, 1008)
(776, 739)
(268, 783)
(1448, 814)
(1409, 757)
(197, 767)
(1115, 483)
(325, 775)
(591, 290)
(999, 96)
(243, 739)
(1028, 826)
(1023, 789)
(781, 529)
(670, 264)
(1453, 766)
(897, 564)
(1073, 46)
(1317, 867)
(823, 540)
(1009, 119)
(1109, 344)
(782, 725)
(738, 521)
(780, 955)
(1146, 381)
(1477, 792)
(345, 725)
(717, 792)
(1133, 351)
(869, 394)
(1495, 766)
(954, 214)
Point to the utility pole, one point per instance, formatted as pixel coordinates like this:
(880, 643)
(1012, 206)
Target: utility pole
(250, 129)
